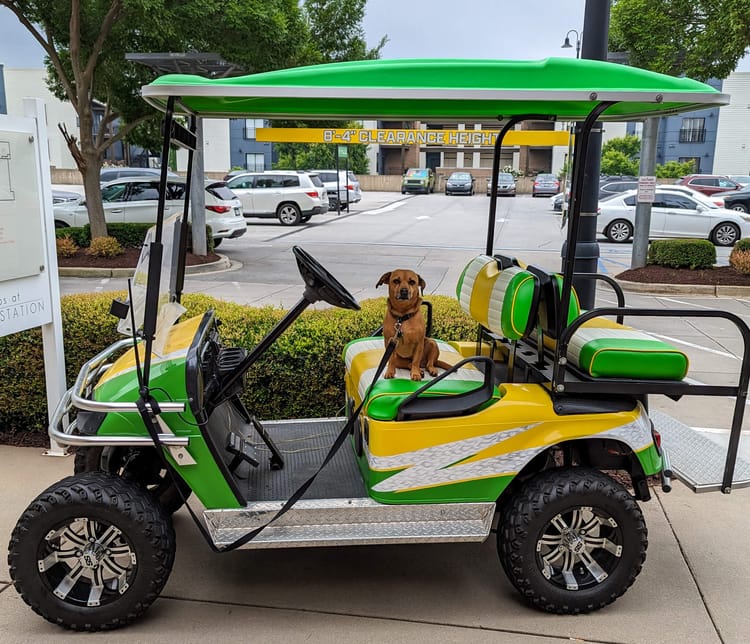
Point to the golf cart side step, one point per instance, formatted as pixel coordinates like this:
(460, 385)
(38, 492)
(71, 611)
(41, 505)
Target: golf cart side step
(696, 460)
(351, 522)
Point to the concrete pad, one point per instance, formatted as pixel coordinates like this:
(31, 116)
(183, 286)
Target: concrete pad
(712, 532)
(452, 584)
(178, 621)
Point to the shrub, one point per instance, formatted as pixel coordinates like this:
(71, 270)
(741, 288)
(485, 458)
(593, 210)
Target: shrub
(739, 258)
(104, 247)
(301, 376)
(66, 247)
(128, 235)
(682, 253)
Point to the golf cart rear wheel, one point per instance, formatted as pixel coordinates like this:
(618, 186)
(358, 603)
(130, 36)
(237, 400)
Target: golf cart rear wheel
(572, 540)
(92, 552)
(140, 466)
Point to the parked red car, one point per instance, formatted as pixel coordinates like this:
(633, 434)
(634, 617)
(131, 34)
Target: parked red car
(708, 184)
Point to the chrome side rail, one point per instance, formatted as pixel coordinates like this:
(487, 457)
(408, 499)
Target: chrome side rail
(75, 398)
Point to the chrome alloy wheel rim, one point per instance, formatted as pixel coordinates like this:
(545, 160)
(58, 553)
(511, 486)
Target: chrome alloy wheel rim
(288, 214)
(619, 232)
(85, 562)
(726, 235)
(579, 548)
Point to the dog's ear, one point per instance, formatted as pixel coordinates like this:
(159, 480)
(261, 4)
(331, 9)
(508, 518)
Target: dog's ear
(422, 284)
(384, 279)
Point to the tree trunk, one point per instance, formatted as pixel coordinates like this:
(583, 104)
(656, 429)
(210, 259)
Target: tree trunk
(89, 161)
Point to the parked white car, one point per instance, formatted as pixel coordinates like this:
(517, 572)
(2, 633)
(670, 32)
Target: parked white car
(135, 200)
(348, 186)
(673, 214)
(290, 195)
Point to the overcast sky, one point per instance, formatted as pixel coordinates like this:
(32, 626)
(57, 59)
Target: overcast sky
(529, 29)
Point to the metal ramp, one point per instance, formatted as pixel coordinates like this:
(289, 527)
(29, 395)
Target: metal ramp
(696, 460)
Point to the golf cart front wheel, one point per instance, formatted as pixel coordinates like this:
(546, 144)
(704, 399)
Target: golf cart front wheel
(92, 552)
(572, 540)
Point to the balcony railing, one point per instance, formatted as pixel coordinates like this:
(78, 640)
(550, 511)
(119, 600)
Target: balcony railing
(692, 135)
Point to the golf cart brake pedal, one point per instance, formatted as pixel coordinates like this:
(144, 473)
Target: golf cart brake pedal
(242, 451)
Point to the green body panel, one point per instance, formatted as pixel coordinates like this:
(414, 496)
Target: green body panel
(639, 359)
(650, 460)
(204, 478)
(437, 89)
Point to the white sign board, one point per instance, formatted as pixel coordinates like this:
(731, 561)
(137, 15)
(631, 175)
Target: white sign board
(646, 189)
(29, 289)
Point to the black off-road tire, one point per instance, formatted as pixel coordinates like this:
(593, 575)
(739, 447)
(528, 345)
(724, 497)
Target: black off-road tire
(86, 512)
(530, 524)
(140, 466)
(217, 241)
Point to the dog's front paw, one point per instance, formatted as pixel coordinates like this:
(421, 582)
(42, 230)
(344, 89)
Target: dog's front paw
(417, 374)
(432, 371)
(389, 373)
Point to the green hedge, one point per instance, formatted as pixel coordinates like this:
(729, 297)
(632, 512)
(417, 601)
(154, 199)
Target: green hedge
(301, 376)
(129, 235)
(682, 253)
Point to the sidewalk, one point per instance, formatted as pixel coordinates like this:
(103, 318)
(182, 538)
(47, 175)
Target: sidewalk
(693, 587)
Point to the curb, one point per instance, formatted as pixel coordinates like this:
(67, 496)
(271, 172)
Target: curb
(222, 264)
(687, 289)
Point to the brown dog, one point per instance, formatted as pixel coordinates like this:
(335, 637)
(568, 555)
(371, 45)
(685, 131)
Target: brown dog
(404, 320)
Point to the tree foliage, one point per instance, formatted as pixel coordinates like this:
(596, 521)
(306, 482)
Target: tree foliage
(85, 42)
(336, 35)
(700, 39)
(621, 156)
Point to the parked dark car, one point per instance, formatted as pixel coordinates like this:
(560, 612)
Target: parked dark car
(545, 184)
(739, 200)
(615, 187)
(506, 184)
(708, 184)
(460, 183)
(116, 172)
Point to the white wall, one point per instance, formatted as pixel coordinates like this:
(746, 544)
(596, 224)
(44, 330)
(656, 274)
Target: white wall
(24, 83)
(732, 155)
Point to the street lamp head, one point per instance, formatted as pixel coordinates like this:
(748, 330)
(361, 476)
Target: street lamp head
(567, 45)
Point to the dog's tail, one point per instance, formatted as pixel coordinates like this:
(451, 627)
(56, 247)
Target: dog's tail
(442, 365)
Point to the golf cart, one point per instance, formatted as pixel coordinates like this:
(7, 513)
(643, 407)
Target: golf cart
(540, 429)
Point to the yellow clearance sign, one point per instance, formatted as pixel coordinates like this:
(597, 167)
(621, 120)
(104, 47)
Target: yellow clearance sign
(534, 138)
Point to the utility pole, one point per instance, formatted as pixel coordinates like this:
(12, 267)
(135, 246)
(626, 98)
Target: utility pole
(594, 47)
(643, 209)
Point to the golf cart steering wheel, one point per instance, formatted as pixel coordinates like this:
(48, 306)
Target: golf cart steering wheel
(320, 284)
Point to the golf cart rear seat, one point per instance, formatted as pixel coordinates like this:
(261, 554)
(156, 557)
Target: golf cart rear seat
(599, 348)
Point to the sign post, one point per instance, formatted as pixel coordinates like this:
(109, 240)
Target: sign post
(29, 288)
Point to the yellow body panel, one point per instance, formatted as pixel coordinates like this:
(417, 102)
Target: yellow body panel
(178, 342)
(522, 405)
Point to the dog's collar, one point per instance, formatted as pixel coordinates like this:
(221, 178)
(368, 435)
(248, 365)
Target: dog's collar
(400, 319)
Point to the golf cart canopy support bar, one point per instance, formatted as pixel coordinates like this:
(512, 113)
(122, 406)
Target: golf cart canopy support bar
(427, 89)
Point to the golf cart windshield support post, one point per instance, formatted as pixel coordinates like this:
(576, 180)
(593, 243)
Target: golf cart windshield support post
(512, 121)
(581, 145)
(180, 273)
(155, 255)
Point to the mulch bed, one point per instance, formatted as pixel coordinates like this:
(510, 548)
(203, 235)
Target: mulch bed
(128, 259)
(717, 276)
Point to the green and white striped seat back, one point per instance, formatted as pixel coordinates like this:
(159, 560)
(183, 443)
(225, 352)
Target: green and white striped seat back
(503, 301)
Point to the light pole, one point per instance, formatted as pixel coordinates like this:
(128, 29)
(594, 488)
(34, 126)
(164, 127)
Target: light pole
(566, 44)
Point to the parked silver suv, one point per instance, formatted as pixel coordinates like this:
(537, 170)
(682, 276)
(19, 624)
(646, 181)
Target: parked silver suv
(348, 187)
(290, 195)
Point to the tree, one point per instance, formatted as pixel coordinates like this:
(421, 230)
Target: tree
(85, 42)
(619, 155)
(336, 35)
(700, 39)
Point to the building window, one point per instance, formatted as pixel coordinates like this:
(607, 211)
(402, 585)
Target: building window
(250, 126)
(696, 161)
(693, 130)
(255, 162)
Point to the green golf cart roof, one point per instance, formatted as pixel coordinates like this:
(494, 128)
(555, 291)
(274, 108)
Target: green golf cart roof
(434, 89)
